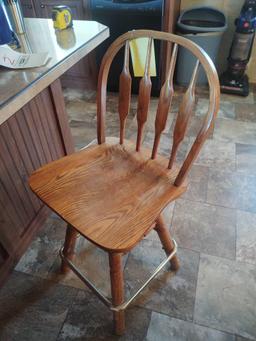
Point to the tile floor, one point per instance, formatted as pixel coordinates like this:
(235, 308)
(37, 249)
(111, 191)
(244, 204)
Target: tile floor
(212, 297)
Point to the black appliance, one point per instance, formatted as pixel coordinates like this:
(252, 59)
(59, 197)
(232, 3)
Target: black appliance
(122, 16)
(234, 80)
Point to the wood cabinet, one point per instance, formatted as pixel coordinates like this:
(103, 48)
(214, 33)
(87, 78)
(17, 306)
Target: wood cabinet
(29, 139)
(84, 73)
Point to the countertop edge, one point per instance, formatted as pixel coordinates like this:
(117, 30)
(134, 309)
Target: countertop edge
(17, 102)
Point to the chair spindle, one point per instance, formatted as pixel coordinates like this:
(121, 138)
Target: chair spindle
(164, 103)
(144, 96)
(184, 114)
(125, 83)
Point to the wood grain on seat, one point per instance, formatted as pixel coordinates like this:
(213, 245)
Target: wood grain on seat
(110, 193)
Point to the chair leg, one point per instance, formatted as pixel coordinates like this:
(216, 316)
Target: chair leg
(166, 240)
(69, 246)
(117, 290)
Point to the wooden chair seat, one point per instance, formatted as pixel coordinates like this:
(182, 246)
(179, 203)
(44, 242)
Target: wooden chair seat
(109, 193)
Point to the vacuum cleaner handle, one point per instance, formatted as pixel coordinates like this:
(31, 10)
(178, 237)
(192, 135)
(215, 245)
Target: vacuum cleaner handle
(246, 22)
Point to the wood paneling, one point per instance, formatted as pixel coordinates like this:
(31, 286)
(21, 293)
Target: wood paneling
(60, 111)
(3, 255)
(29, 139)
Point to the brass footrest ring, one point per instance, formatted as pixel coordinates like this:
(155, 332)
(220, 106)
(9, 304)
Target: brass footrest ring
(104, 299)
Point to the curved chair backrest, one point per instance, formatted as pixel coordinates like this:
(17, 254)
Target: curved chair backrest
(165, 98)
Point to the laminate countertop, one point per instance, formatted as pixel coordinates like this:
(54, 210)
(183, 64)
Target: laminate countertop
(65, 48)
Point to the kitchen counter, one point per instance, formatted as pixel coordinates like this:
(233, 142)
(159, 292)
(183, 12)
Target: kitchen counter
(34, 128)
(65, 48)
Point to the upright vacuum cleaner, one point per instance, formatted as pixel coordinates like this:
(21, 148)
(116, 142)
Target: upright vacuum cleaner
(234, 80)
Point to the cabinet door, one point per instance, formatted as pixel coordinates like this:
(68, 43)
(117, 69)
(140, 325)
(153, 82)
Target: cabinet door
(28, 8)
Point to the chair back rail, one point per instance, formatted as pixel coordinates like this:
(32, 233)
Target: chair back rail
(165, 99)
(125, 83)
(144, 96)
(184, 114)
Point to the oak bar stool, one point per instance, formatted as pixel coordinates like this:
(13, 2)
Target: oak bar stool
(113, 193)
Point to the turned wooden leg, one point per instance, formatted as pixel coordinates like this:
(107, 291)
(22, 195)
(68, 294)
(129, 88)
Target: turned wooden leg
(166, 241)
(69, 246)
(117, 290)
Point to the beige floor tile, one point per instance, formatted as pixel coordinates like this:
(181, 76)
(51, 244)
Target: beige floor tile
(89, 319)
(232, 189)
(197, 184)
(205, 228)
(246, 237)
(246, 158)
(235, 131)
(227, 108)
(218, 155)
(245, 112)
(43, 251)
(226, 296)
(165, 328)
(32, 308)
